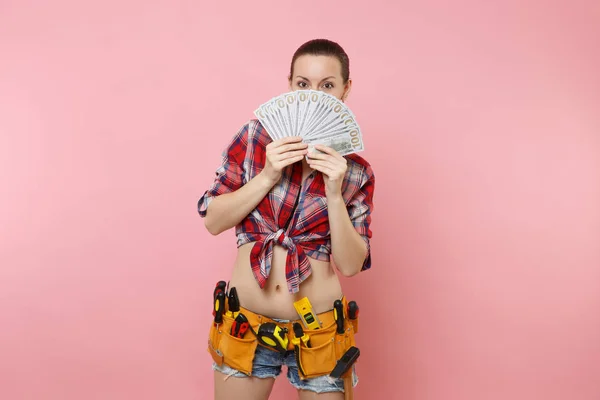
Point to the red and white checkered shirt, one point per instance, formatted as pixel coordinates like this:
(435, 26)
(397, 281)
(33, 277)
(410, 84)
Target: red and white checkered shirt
(291, 215)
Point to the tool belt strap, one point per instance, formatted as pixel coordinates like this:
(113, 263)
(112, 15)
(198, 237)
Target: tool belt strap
(326, 318)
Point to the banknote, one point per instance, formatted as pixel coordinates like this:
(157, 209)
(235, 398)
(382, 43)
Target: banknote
(317, 117)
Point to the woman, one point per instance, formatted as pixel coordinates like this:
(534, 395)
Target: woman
(291, 213)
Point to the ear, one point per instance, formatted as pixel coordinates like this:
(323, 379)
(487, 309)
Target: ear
(347, 90)
(290, 82)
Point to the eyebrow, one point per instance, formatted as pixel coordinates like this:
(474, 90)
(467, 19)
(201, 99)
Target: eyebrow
(306, 79)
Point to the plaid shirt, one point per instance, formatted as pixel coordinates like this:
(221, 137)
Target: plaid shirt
(290, 215)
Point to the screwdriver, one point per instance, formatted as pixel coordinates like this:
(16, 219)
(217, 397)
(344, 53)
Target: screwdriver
(338, 313)
(300, 336)
(352, 310)
(219, 307)
(240, 326)
(220, 287)
(353, 315)
(233, 302)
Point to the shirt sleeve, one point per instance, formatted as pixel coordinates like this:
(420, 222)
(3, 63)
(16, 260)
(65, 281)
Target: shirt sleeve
(230, 174)
(360, 208)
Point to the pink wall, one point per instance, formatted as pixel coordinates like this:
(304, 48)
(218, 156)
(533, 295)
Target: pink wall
(480, 120)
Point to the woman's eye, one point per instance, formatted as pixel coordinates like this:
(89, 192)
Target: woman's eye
(302, 84)
(328, 85)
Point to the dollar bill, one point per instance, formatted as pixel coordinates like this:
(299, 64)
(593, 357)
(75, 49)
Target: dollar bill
(316, 116)
(343, 143)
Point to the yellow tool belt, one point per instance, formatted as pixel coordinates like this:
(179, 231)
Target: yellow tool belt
(327, 345)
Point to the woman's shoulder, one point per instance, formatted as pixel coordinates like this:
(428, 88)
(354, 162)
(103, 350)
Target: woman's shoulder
(358, 165)
(356, 159)
(250, 134)
(255, 131)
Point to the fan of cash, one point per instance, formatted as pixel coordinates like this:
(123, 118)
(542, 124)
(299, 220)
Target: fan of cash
(317, 117)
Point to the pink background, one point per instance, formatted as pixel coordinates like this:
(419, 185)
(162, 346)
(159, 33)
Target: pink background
(480, 120)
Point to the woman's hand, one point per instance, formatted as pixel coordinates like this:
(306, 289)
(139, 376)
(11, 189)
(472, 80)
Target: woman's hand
(280, 154)
(332, 165)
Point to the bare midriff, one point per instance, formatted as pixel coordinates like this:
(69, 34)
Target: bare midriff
(322, 287)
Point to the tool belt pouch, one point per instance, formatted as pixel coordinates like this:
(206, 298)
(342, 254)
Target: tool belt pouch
(214, 339)
(234, 352)
(327, 347)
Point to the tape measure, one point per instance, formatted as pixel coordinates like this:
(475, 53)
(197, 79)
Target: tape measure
(305, 311)
(273, 336)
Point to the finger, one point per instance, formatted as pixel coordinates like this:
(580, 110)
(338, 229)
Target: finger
(320, 156)
(285, 148)
(289, 161)
(286, 140)
(277, 154)
(325, 164)
(328, 150)
(289, 147)
(323, 169)
(288, 154)
(327, 159)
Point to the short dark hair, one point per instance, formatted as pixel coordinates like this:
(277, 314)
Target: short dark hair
(323, 47)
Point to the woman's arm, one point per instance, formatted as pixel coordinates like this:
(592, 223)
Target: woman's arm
(348, 246)
(228, 209)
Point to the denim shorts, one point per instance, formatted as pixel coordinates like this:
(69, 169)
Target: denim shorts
(267, 364)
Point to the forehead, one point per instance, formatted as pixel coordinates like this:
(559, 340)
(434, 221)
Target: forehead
(317, 67)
